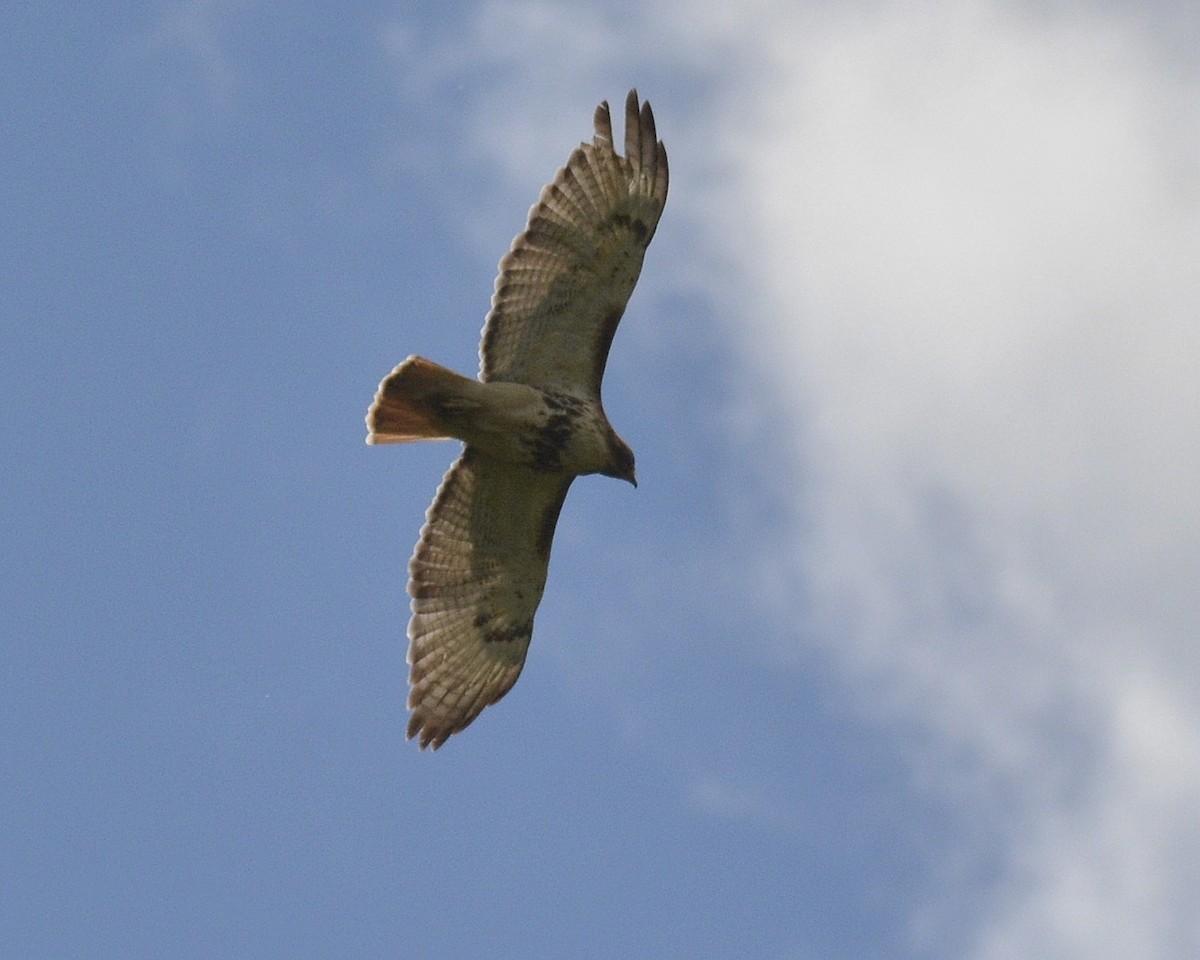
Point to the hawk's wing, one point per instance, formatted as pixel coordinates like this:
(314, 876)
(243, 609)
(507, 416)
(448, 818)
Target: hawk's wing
(476, 578)
(564, 284)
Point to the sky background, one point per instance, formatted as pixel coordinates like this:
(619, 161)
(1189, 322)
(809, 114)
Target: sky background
(893, 652)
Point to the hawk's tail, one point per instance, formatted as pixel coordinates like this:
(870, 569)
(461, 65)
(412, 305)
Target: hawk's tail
(406, 406)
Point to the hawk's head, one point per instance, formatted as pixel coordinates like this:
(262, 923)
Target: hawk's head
(620, 459)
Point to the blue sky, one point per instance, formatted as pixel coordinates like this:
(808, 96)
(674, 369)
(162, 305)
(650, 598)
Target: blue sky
(892, 652)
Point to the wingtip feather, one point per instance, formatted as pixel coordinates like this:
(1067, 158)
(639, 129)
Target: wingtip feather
(633, 128)
(602, 121)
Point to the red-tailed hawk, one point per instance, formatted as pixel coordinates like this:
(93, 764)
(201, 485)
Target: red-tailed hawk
(531, 423)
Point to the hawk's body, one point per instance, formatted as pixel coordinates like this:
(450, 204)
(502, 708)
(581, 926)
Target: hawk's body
(531, 423)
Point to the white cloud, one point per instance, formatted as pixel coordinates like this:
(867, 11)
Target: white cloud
(974, 245)
(515, 116)
(957, 248)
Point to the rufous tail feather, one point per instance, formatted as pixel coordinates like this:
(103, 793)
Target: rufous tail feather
(405, 407)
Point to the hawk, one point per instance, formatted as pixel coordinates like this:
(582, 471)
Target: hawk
(531, 423)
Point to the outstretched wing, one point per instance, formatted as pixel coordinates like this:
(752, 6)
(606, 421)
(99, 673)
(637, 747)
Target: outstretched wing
(476, 579)
(564, 284)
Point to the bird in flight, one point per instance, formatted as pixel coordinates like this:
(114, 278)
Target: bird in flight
(531, 423)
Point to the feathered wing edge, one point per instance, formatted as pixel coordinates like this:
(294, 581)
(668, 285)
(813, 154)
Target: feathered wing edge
(476, 578)
(594, 185)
